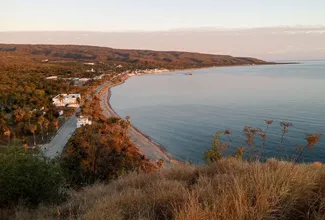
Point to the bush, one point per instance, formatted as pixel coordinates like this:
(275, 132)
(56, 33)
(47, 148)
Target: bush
(28, 178)
(253, 148)
(101, 152)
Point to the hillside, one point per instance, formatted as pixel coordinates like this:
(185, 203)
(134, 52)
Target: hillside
(140, 58)
(228, 189)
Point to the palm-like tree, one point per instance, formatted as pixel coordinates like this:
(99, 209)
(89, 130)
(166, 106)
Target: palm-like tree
(55, 123)
(19, 115)
(40, 121)
(46, 124)
(61, 98)
(32, 129)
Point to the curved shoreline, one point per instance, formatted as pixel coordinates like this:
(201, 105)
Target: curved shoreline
(146, 146)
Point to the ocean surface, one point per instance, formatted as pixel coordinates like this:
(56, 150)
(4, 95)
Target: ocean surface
(182, 112)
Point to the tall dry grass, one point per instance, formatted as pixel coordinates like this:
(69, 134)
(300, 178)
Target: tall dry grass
(227, 189)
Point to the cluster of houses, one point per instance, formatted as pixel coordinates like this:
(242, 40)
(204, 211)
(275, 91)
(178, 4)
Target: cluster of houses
(147, 71)
(78, 81)
(72, 101)
(69, 100)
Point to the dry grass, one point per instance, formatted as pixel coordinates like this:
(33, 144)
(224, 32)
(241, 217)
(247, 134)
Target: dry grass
(228, 189)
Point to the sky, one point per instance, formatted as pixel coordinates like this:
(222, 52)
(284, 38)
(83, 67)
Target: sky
(156, 15)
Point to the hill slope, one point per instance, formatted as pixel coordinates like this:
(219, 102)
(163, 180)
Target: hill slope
(228, 189)
(167, 59)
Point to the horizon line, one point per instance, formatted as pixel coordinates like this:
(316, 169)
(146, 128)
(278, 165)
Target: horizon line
(207, 28)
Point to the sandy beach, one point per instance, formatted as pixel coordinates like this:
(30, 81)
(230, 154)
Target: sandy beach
(146, 146)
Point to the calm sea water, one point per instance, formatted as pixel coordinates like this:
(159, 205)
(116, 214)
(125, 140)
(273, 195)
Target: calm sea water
(182, 112)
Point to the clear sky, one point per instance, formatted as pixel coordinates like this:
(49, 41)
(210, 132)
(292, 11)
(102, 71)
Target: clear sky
(150, 15)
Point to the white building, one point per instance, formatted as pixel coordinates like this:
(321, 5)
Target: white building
(71, 100)
(84, 80)
(91, 71)
(52, 77)
(82, 121)
(99, 77)
(90, 64)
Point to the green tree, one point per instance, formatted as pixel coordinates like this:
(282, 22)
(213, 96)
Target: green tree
(28, 178)
(215, 153)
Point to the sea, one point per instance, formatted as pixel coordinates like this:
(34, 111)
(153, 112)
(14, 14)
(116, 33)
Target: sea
(182, 112)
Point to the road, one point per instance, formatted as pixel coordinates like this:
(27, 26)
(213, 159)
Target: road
(56, 145)
(145, 145)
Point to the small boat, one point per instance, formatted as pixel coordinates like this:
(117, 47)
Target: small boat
(189, 74)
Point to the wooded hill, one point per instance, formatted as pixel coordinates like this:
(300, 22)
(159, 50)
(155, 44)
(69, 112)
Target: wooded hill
(139, 58)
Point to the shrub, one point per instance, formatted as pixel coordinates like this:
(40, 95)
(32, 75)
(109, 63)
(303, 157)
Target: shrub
(102, 152)
(28, 178)
(255, 152)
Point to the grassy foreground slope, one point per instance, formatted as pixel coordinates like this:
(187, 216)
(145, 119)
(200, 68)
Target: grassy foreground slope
(139, 58)
(228, 189)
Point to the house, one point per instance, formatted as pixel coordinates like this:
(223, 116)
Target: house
(99, 77)
(45, 61)
(69, 100)
(91, 71)
(83, 81)
(82, 121)
(52, 77)
(61, 112)
(89, 64)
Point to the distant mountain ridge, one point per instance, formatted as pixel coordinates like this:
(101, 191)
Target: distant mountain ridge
(267, 43)
(168, 59)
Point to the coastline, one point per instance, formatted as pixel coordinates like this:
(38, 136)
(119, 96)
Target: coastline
(237, 65)
(157, 151)
(146, 146)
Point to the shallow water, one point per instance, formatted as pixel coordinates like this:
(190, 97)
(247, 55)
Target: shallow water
(182, 112)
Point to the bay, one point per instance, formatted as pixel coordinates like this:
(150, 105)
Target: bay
(182, 112)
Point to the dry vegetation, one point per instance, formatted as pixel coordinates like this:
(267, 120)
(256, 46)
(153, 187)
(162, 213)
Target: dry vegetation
(227, 189)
